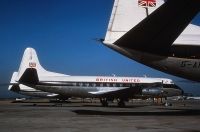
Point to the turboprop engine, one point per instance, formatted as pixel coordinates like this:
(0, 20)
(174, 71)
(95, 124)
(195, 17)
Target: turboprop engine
(152, 91)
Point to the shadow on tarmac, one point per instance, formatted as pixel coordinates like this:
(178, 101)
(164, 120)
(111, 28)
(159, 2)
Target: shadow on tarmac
(77, 105)
(189, 112)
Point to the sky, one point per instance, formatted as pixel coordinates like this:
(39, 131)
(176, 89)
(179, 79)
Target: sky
(63, 32)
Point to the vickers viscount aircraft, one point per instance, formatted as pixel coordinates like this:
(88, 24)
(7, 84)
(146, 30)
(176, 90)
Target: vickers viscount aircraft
(33, 75)
(162, 92)
(158, 34)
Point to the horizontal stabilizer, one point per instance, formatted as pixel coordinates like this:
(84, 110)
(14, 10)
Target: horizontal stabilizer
(13, 84)
(14, 88)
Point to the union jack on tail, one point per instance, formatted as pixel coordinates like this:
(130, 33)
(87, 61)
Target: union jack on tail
(147, 3)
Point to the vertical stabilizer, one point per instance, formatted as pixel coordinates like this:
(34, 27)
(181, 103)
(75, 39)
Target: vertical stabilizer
(30, 70)
(132, 27)
(125, 15)
(30, 60)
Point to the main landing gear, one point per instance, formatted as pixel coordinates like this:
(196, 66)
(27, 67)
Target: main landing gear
(104, 102)
(121, 103)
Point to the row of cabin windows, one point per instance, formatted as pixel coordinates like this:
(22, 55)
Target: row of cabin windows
(103, 84)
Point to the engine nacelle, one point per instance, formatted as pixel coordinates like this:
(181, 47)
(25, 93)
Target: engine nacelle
(152, 91)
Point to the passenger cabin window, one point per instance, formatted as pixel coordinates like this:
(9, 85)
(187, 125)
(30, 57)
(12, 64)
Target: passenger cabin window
(97, 84)
(133, 85)
(94, 84)
(127, 85)
(87, 84)
(80, 84)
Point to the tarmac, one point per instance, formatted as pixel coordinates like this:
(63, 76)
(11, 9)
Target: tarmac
(78, 116)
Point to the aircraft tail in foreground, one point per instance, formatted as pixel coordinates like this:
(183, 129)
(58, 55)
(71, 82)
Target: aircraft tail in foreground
(158, 34)
(134, 27)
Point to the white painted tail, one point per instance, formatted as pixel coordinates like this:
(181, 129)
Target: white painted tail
(125, 15)
(30, 61)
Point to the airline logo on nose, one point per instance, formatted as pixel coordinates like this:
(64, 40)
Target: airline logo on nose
(32, 64)
(147, 3)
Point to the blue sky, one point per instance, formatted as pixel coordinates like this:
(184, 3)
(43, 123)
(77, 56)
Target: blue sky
(63, 33)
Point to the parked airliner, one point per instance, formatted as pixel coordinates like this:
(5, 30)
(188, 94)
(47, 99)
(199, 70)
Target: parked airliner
(33, 75)
(162, 92)
(158, 34)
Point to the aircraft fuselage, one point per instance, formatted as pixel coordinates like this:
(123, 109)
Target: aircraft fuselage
(183, 67)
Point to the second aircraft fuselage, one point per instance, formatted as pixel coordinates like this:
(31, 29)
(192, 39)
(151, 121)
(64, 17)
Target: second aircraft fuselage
(188, 68)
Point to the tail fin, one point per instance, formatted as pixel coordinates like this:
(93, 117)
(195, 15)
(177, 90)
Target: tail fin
(131, 27)
(30, 68)
(30, 60)
(125, 15)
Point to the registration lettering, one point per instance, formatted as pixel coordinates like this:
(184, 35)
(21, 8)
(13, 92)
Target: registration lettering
(190, 64)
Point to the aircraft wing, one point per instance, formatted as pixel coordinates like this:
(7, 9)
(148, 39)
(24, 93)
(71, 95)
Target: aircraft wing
(124, 91)
(108, 90)
(161, 28)
(52, 95)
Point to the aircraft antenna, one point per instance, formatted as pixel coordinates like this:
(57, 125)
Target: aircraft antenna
(113, 75)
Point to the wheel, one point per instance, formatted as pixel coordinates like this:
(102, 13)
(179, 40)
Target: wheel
(121, 103)
(104, 102)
